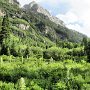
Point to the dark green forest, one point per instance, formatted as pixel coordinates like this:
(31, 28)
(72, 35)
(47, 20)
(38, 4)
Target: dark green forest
(37, 54)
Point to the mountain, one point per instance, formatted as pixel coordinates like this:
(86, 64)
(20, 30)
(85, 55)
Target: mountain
(54, 25)
(39, 20)
(33, 6)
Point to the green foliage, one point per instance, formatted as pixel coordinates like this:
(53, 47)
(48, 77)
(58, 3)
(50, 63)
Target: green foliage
(87, 50)
(4, 35)
(5, 29)
(35, 60)
(54, 52)
(6, 86)
(18, 21)
(21, 84)
(42, 75)
(60, 86)
(34, 86)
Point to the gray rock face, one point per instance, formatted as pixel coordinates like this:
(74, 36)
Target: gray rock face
(33, 6)
(1, 13)
(23, 26)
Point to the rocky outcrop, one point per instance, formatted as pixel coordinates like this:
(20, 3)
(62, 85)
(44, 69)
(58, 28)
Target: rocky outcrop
(50, 32)
(33, 6)
(23, 26)
(57, 21)
(1, 13)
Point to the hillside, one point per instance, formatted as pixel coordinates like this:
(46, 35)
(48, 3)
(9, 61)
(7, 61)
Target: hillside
(44, 22)
(38, 52)
(56, 26)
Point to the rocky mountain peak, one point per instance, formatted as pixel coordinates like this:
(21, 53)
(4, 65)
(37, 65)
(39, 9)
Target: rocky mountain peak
(35, 7)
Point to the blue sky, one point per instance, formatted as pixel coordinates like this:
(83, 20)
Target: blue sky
(74, 13)
(59, 8)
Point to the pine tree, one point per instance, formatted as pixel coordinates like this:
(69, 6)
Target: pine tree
(27, 52)
(84, 43)
(88, 51)
(5, 29)
(4, 35)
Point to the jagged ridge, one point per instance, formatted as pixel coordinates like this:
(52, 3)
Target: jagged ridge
(33, 6)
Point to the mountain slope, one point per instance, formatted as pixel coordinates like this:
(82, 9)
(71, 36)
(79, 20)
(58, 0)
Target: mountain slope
(33, 18)
(42, 22)
(58, 28)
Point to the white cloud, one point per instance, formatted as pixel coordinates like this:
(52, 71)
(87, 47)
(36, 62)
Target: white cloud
(68, 17)
(79, 12)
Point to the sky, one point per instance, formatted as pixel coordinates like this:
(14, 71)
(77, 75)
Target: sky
(74, 13)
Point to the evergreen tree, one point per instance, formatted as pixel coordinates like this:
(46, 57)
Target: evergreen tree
(87, 49)
(5, 29)
(84, 41)
(86, 45)
(27, 52)
(4, 35)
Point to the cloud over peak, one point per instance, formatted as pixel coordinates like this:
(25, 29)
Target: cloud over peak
(79, 13)
(75, 13)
